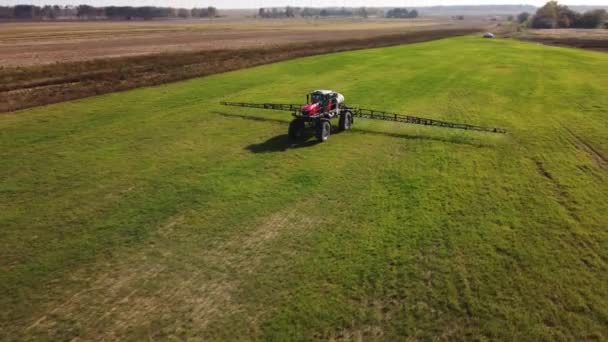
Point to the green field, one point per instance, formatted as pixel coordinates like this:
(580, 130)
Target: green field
(158, 213)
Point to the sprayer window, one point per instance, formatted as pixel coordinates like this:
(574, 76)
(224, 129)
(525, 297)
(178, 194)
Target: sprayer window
(317, 98)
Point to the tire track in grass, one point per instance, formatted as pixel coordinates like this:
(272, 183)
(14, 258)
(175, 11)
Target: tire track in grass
(588, 248)
(563, 197)
(594, 154)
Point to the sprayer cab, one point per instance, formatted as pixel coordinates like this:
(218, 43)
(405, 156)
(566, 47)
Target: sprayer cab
(320, 101)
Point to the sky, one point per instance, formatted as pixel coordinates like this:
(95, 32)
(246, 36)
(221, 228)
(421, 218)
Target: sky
(301, 3)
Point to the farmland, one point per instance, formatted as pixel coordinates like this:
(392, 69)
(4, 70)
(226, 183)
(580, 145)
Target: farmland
(46, 63)
(29, 44)
(593, 39)
(157, 213)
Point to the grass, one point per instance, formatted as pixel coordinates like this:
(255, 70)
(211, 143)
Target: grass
(157, 213)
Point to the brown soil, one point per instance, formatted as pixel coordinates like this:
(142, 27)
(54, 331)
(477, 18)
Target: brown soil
(23, 87)
(597, 45)
(592, 39)
(28, 44)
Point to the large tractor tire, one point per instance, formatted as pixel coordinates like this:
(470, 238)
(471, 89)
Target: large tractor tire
(346, 121)
(296, 129)
(323, 130)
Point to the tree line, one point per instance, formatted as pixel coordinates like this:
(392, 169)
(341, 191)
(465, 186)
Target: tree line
(401, 13)
(292, 12)
(363, 12)
(554, 15)
(86, 12)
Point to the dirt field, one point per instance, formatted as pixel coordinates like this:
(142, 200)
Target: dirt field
(26, 44)
(581, 38)
(53, 62)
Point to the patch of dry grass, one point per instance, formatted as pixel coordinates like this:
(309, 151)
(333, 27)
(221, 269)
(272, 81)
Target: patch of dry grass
(135, 293)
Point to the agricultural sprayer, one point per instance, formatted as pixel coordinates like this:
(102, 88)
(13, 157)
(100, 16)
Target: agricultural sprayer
(324, 105)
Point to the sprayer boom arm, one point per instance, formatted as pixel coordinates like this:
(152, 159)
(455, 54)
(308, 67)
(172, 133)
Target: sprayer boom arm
(387, 116)
(274, 106)
(371, 114)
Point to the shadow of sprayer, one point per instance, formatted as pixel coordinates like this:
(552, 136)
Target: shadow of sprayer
(279, 143)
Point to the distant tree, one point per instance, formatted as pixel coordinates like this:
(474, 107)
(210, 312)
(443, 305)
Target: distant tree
(86, 11)
(401, 13)
(566, 17)
(120, 12)
(24, 11)
(310, 12)
(362, 12)
(273, 12)
(546, 16)
(510, 18)
(151, 12)
(6, 12)
(289, 12)
(344, 12)
(592, 19)
(523, 17)
(183, 13)
(553, 15)
(69, 11)
(46, 12)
